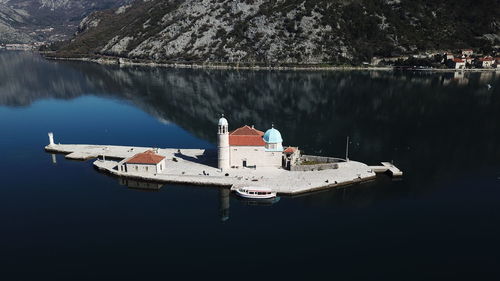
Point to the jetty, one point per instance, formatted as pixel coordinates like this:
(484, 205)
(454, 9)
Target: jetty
(199, 167)
(389, 168)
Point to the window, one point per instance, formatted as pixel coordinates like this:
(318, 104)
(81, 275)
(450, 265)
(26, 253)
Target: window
(161, 167)
(136, 168)
(147, 168)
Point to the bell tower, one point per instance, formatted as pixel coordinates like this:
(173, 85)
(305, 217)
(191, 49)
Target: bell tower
(223, 143)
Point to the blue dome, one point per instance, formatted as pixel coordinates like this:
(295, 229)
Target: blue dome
(273, 136)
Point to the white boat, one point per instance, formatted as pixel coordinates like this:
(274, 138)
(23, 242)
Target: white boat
(255, 192)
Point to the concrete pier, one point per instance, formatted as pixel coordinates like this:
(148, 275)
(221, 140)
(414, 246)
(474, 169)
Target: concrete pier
(199, 167)
(387, 168)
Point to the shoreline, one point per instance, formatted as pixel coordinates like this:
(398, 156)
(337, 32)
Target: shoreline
(122, 62)
(192, 167)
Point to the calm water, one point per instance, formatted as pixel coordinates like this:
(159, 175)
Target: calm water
(65, 220)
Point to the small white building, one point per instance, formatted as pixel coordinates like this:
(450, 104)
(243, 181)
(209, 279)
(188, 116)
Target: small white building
(146, 162)
(458, 63)
(485, 62)
(467, 52)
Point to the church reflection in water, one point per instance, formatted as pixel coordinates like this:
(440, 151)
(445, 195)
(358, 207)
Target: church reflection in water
(224, 196)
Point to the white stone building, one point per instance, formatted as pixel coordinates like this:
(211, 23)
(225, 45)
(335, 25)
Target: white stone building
(458, 63)
(248, 147)
(485, 62)
(146, 162)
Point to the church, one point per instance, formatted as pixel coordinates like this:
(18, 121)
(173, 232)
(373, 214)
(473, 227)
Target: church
(249, 147)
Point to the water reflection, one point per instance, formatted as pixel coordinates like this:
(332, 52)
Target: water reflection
(140, 185)
(431, 124)
(259, 202)
(224, 204)
(54, 158)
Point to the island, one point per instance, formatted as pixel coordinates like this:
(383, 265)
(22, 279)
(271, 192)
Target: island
(244, 157)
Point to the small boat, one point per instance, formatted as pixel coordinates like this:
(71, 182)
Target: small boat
(254, 192)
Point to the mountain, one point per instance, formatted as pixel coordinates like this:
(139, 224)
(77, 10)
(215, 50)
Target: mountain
(9, 18)
(284, 31)
(24, 21)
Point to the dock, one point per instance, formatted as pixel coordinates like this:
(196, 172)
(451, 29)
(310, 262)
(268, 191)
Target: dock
(389, 168)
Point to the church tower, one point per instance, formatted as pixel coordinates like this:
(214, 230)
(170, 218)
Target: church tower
(223, 143)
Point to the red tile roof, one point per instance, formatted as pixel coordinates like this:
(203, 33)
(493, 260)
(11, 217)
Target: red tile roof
(147, 157)
(246, 136)
(458, 60)
(246, 131)
(290, 150)
(486, 59)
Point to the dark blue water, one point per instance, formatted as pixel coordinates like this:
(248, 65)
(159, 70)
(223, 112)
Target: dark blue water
(67, 221)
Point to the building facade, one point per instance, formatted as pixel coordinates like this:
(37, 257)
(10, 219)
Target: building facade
(485, 62)
(248, 147)
(146, 162)
(458, 63)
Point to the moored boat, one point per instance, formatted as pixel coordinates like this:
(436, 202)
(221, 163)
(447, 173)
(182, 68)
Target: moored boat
(255, 192)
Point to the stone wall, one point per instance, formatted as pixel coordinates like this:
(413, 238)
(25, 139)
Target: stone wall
(321, 159)
(317, 167)
(324, 163)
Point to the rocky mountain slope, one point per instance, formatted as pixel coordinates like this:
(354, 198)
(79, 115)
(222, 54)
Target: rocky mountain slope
(9, 19)
(23, 21)
(285, 31)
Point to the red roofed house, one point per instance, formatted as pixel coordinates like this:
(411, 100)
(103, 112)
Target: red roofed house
(485, 62)
(458, 63)
(144, 162)
(248, 147)
(291, 156)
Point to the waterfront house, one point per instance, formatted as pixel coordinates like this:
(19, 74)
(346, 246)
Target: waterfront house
(458, 63)
(146, 162)
(485, 62)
